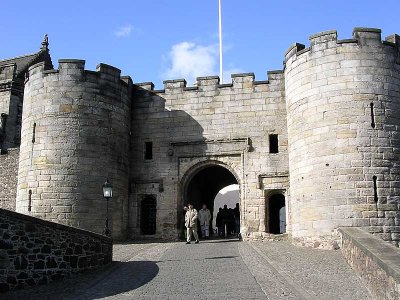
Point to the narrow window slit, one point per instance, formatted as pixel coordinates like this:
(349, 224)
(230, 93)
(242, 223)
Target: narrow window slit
(30, 201)
(372, 115)
(34, 133)
(375, 189)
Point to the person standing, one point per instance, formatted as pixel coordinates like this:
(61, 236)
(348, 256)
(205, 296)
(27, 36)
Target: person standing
(205, 218)
(225, 220)
(236, 212)
(191, 224)
(218, 221)
(231, 221)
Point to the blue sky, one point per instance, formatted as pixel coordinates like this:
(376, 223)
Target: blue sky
(157, 40)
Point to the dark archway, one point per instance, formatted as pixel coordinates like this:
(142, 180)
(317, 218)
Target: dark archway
(148, 215)
(276, 214)
(203, 186)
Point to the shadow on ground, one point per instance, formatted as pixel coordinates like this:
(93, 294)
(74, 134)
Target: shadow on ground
(102, 283)
(138, 272)
(221, 240)
(110, 281)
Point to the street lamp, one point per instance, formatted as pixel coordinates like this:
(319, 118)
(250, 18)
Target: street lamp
(107, 193)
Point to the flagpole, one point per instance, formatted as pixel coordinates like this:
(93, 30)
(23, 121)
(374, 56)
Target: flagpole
(220, 42)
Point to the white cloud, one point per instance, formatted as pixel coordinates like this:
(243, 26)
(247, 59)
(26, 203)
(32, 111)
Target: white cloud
(124, 31)
(189, 60)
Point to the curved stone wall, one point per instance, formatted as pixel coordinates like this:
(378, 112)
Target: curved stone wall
(75, 134)
(343, 99)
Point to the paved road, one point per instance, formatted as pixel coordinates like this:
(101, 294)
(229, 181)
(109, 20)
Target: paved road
(221, 269)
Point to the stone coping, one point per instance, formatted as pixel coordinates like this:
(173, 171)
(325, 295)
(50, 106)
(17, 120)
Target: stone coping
(53, 225)
(174, 80)
(367, 29)
(180, 83)
(103, 65)
(243, 75)
(384, 254)
(275, 72)
(71, 60)
(322, 33)
(207, 77)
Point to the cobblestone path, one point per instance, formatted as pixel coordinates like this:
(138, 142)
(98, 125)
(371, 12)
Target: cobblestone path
(221, 269)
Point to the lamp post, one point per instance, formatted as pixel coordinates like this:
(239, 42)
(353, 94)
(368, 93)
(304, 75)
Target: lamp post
(107, 193)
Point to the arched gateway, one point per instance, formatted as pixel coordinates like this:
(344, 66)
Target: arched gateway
(201, 184)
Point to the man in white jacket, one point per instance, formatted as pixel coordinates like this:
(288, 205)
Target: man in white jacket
(191, 224)
(205, 218)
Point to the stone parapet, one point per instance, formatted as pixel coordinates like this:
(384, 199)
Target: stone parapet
(212, 83)
(377, 263)
(35, 251)
(362, 37)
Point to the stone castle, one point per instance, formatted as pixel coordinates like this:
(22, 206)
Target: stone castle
(315, 147)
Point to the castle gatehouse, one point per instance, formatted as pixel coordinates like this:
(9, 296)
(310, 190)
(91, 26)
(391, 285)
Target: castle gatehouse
(315, 147)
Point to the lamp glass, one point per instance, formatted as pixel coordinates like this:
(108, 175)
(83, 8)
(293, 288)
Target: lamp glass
(107, 190)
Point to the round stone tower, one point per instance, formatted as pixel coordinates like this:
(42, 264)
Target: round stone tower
(75, 135)
(343, 113)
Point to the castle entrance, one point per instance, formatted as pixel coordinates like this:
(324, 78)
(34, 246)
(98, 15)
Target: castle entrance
(276, 214)
(148, 215)
(202, 185)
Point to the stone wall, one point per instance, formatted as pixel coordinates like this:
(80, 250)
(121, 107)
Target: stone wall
(34, 251)
(75, 135)
(8, 178)
(6, 77)
(342, 101)
(11, 95)
(192, 128)
(377, 263)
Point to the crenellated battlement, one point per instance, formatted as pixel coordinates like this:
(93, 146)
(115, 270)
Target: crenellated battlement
(361, 37)
(207, 83)
(394, 39)
(74, 69)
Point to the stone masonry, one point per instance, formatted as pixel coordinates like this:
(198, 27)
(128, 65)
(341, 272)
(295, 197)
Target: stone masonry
(12, 77)
(75, 134)
(342, 99)
(210, 124)
(376, 263)
(8, 178)
(323, 132)
(34, 251)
